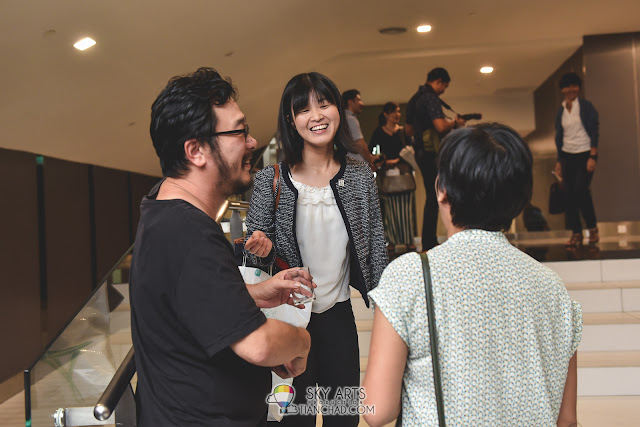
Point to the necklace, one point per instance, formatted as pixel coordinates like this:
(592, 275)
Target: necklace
(388, 131)
(189, 193)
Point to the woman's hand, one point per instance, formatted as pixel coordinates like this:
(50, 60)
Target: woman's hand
(591, 165)
(259, 244)
(558, 170)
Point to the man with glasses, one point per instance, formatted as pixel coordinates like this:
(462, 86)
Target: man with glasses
(202, 346)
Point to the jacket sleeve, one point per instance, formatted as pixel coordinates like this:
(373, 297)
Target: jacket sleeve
(379, 255)
(559, 132)
(593, 129)
(261, 215)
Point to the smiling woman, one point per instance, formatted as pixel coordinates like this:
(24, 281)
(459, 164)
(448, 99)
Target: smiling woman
(327, 218)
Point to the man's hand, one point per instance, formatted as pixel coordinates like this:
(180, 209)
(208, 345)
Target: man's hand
(259, 244)
(297, 365)
(277, 290)
(459, 122)
(591, 165)
(292, 368)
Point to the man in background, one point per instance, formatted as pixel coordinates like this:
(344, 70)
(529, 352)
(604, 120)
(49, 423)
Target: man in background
(427, 124)
(353, 106)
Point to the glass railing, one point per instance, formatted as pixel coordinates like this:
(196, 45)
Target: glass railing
(85, 373)
(67, 380)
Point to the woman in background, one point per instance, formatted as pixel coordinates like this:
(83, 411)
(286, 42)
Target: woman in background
(328, 218)
(577, 130)
(398, 207)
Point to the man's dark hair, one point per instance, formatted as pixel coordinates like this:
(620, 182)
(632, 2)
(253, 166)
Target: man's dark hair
(184, 111)
(486, 173)
(438, 73)
(295, 98)
(349, 95)
(389, 107)
(570, 79)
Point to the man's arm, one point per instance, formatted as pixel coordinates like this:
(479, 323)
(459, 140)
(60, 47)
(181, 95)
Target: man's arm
(362, 148)
(275, 343)
(444, 126)
(568, 412)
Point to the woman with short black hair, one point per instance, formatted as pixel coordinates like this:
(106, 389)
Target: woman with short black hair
(577, 131)
(507, 331)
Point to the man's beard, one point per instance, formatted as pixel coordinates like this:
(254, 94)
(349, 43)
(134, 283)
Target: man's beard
(224, 174)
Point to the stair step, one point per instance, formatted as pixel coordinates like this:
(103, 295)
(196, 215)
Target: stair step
(586, 359)
(607, 270)
(583, 286)
(608, 359)
(608, 381)
(610, 337)
(587, 319)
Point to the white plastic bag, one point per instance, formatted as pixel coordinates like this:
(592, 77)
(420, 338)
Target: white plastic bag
(286, 313)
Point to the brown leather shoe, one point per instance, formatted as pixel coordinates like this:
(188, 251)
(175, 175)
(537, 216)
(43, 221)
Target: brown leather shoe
(575, 240)
(594, 237)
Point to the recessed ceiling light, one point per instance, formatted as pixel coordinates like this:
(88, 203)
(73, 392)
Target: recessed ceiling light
(486, 70)
(424, 28)
(85, 43)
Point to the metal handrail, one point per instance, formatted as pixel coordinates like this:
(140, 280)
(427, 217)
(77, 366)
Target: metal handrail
(118, 384)
(236, 205)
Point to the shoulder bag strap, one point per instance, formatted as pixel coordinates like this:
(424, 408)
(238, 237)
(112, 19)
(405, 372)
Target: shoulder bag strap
(276, 186)
(433, 333)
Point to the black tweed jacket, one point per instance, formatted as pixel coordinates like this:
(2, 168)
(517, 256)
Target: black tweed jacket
(357, 198)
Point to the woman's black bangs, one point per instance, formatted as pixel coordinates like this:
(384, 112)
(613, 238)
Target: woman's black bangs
(301, 92)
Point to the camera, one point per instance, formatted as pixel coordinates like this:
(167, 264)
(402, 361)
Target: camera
(472, 116)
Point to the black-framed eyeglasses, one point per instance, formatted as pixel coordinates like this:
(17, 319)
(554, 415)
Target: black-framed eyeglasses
(244, 131)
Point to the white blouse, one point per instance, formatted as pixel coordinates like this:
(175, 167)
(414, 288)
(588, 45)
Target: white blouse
(575, 138)
(324, 244)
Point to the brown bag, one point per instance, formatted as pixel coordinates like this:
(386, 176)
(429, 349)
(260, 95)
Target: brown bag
(398, 179)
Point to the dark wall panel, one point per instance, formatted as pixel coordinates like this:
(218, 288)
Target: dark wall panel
(611, 80)
(19, 263)
(111, 212)
(547, 98)
(140, 186)
(68, 247)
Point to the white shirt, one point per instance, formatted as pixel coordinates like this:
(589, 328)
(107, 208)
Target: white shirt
(324, 244)
(575, 138)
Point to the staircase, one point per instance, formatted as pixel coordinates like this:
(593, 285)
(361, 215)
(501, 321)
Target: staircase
(609, 353)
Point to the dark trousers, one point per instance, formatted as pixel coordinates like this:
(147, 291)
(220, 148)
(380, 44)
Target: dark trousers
(334, 361)
(429, 170)
(577, 182)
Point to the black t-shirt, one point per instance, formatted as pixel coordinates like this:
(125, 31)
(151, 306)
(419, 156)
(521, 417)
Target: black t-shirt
(423, 108)
(188, 304)
(390, 145)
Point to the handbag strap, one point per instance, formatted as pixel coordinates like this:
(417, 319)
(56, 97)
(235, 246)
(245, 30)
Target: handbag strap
(433, 333)
(276, 184)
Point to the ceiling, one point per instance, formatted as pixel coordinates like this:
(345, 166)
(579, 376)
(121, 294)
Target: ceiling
(93, 106)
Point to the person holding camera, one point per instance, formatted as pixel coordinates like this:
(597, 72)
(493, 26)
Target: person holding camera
(427, 124)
